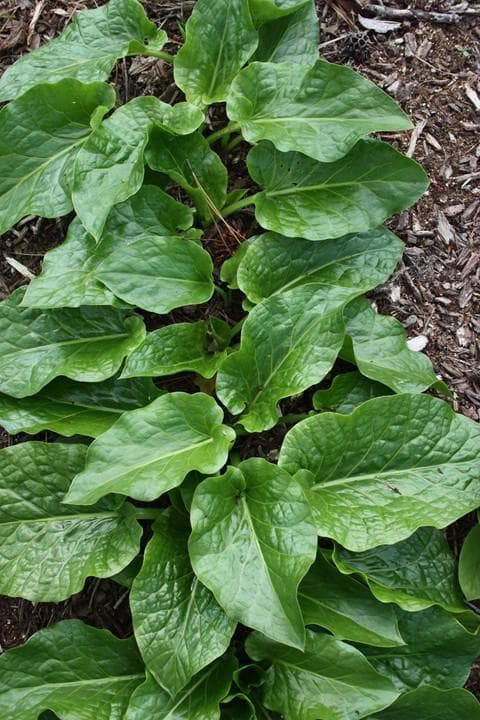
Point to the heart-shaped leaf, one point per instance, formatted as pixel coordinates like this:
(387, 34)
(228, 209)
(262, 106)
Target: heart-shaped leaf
(291, 38)
(347, 392)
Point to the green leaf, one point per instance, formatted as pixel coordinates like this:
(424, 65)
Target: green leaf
(272, 263)
(48, 549)
(438, 651)
(395, 464)
(238, 707)
(330, 680)
(320, 111)
(173, 349)
(151, 450)
(200, 700)
(305, 198)
(178, 625)
(430, 703)
(40, 136)
(111, 163)
(252, 542)
(469, 565)
(85, 344)
(74, 670)
(266, 10)
(88, 49)
(415, 573)
(381, 352)
(71, 408)
(291, 38)
(346, 607)
(191, 163)
(347, 392)
(220, 38)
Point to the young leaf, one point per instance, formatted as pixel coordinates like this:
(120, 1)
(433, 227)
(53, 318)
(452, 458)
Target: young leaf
(252, 542)
(48, 549)
(40, 136)
(266, 10)
(272, 263)
(151, 450)
(238, 707)
(179, 627)
(305, 198)
(220, 38)
(395, 464)
(75, 670)
(381, 352)
(346, 607)
(331, 679)
(71, 408)
(430, 703)
(321, 111)
(469, 565)
(415, 573)
(86, 344)
(173, 349)
(347, 392)
(291, 38)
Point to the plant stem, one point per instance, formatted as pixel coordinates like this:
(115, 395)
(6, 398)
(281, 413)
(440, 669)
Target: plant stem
(147, 513)
(234, 207)
(222, 293)
(233, 143)
(162, 55)
(296, 417)
(227, 130)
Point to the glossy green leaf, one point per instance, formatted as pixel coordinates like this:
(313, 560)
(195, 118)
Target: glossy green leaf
(151, 450)
(41, 133)
(305, 198)
(330, 680)
(200, 700)
(347, 392)
(438, 651)
(346, 607)
(430, 703)
(191, 163)
(48, 549)
(179, 627)
(381, 352)
(291, 38)
(85, 344)
(88, 49)
(415, 573)
(75, 670)
(238, 707)
(71, 408)
(111, 163)
(220, 38)
(265, 10)
(395, 464)
(320, 111)
(173, 349)
(272, 263)
(252, 542)
(469, 565)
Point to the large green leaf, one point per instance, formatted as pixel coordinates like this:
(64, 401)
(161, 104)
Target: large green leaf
(320, 111)
(75, 670)
(88, 49)
(469, 565)
(200, 700)
(346, 607)
(415, 573)
(273, 263)
(151, 450)
(70, 408)
(85, 344)
(173, 349)
(252, 542)
(111, 163)
(220, 38)
(348, 391)
(330, 680)
(291, 38)
(438, 651)
(40, 136)
(179, 627)
(265, 10)
(48, 549)
(305, 198)
(430, 703)
(395, 464)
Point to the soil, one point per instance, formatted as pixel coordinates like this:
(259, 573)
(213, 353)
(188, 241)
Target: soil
(433, 70)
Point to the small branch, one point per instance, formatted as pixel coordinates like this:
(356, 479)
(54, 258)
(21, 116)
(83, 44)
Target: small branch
(239, 205)
(389, 13)
(227, 130)
(147, 513)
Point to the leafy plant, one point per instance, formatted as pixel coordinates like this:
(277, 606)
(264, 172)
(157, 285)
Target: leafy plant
(239, 610)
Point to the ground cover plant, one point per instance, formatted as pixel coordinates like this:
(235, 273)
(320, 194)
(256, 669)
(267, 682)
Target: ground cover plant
(314, 582)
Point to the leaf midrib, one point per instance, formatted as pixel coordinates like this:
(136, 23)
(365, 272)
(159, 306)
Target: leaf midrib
(62, 343)
(78, 517)
(326, 186)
